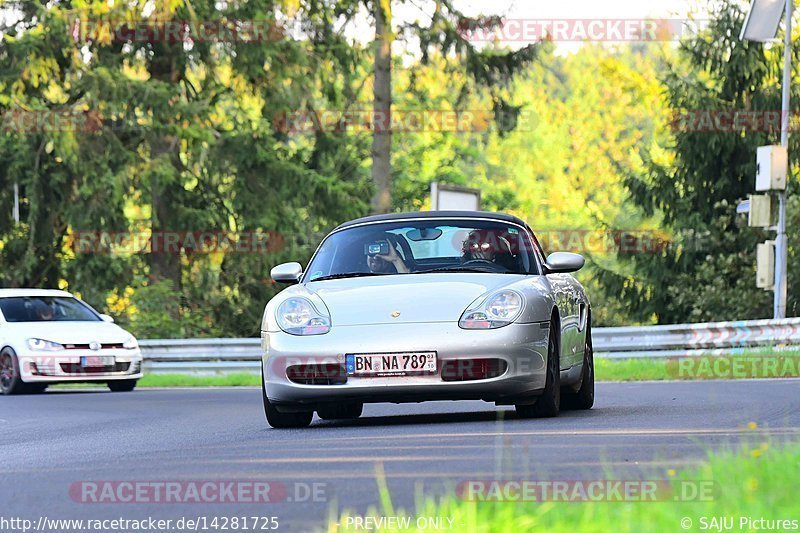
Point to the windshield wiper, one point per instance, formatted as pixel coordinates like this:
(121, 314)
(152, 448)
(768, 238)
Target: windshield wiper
(349, 275)
(457, 269)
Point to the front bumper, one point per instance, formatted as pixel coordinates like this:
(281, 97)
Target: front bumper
(60, 367)
(523, 347)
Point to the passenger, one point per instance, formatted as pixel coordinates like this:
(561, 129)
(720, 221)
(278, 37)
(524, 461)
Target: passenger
(389, 263)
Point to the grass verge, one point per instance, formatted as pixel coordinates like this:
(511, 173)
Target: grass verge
(742, 364)
(755, 483)
(184, 380)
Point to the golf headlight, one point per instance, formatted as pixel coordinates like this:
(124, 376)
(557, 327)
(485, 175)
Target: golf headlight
(130, 344)
(298, 316)
(496, 311)
(41, 345)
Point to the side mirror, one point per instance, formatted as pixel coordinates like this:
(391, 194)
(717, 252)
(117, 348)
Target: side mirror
(563, 262)
(287, 273)
(107, 318)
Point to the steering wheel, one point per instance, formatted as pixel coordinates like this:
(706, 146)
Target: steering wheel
(482, 263)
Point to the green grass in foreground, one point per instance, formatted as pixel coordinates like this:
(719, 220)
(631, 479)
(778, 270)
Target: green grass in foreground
(757, 482)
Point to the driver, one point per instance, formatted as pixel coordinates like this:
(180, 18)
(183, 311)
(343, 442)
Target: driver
(486, 245)
(44, 312)
(389, 263)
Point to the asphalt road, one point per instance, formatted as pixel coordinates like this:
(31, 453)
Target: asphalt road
(51, 442)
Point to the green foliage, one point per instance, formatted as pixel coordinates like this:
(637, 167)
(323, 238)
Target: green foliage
(181, 139)
(153, 312)
(175, 138)
(709, 272)
(191, 138)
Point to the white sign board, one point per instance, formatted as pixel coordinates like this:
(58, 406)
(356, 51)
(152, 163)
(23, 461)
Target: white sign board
(454, 198)
(762, 19)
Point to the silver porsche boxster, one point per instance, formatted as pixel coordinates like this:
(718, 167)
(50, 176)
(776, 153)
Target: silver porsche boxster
(439, 305)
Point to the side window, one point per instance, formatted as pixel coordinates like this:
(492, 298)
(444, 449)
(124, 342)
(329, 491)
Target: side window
(530, 253)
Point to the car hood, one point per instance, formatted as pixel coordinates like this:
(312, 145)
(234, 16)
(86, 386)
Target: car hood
(438, 297)
(69, 332)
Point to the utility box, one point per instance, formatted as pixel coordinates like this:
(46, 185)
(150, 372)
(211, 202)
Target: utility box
(772, 164)
(763, 211)
(765, 265)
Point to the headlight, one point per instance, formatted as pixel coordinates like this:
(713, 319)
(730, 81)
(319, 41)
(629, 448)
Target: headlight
(41, 345)
(130, 344)
(298, 316)
(496, 311)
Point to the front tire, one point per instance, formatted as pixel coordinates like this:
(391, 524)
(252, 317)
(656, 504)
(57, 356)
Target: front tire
(549, 403)
(10, 379)
(280, 420)
(342, 411)
(122, 385)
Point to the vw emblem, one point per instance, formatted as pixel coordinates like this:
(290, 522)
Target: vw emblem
(94, 346)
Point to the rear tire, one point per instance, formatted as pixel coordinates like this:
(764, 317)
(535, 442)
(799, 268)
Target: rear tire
(549, 403)
(341, 411)
(280, 420)
(122, 385)
(10, 379)
(584, 397)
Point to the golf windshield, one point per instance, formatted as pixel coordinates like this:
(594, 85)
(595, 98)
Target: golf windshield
(424, 246)
(46, 309)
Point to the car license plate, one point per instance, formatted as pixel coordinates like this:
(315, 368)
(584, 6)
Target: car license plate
(391, 364)
(97, 360)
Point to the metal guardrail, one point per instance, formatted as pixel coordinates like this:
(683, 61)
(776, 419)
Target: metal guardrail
(674, 340)
(201, 355)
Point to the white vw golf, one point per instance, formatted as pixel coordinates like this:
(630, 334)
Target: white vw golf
(49, 336)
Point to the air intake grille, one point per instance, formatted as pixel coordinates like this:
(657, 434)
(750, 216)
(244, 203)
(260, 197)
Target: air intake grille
(324, 374)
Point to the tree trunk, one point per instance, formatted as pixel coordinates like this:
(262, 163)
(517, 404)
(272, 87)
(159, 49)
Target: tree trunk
(164, 261)
(382, 108)
(166, 66)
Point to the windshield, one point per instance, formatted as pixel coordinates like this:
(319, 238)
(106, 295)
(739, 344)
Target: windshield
(46, 309)
(424, 246)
